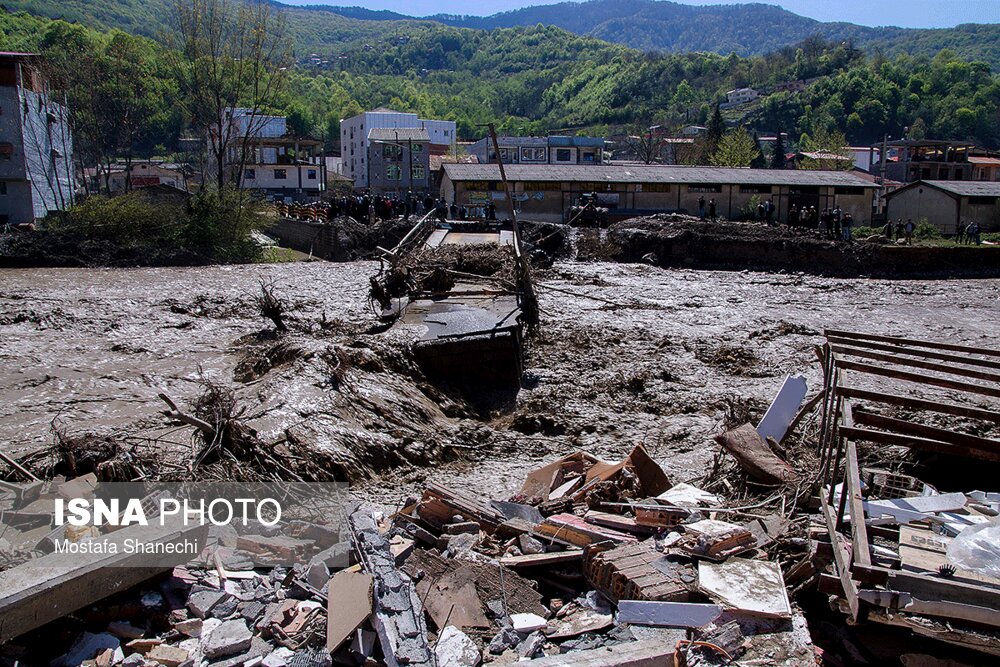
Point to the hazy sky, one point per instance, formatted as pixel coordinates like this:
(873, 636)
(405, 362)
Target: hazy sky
(905, 13)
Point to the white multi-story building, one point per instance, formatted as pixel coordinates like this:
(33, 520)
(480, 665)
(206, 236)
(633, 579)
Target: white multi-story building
(742, 95)
(36, 147)
(354, 133)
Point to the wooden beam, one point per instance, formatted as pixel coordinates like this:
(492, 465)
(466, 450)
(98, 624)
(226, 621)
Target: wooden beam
(44, 589)
(859, 535)
(918, 378)
(931, 587)
(914, 442)
(842, 562)
(916, 363)
(554, 558)
(929, 432)
(926, 354)
(912, 341)
(920, 404)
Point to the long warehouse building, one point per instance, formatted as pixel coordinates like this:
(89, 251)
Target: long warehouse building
(545, 192)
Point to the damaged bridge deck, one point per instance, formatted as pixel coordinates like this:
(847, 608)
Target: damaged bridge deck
(470, 333)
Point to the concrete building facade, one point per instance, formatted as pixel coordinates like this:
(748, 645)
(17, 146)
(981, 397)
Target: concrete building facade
(36, 145)
(545, 192)
(399, 160)
(354, 134)
(910, 160)
(540, 150)
(945, 204)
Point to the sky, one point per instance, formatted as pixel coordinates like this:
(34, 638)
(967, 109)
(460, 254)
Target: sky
(904, 13)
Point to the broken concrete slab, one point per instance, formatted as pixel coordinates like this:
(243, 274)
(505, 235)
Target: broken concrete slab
(667, 614)
(715, 540)
(230, 638)
(576, 622)
(630, 654)
(202, 603)
(399, 615)
(455, 649)
(349, 596)
(751, 587)
(688, 495)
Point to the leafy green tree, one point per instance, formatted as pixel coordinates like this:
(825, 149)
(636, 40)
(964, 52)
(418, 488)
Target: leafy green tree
(736, 149)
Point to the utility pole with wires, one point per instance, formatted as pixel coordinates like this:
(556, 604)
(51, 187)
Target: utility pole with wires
(529, 301)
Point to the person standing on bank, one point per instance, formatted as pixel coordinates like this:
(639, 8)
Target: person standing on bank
(701, 207)
(711, 209)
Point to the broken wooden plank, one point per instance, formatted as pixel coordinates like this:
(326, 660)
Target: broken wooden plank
(953, 611)
(754, 455)
(571, 529)
(918, 378)
(841, 559)
(916, 363)
(618, 522)
(956, 438)
(349, 604)
(915, 442)
(50, 587)
(919, 404)
(667, 614)
(916, 352)
(553, 558)
(898, 340)
(747, 587)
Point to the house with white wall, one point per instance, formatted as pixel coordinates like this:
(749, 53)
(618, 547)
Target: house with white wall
(355, 132)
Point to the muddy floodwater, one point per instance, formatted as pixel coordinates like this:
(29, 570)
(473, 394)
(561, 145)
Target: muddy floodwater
(626, 354)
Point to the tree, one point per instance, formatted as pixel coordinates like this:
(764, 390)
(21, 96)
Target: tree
(646, 145)
(736, 149)
(234, 56)
(829, 151)
(778, 151)
(716, 129)
(759, 161)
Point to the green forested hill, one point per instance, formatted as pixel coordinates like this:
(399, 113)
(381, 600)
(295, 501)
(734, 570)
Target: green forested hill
(650, 25)
(539, 78)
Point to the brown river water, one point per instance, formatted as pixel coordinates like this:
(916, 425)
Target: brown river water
(626, 354)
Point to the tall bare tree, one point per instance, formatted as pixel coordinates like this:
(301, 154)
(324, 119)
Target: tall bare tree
(647, 145)
(234, 54)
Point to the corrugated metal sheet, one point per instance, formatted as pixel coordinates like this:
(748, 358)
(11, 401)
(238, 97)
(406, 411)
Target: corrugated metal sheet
(967, 188)
(654, 174)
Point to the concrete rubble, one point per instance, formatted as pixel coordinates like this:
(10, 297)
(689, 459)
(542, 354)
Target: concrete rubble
(591, 562)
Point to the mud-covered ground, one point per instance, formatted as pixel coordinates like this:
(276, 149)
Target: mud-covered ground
(627, 354)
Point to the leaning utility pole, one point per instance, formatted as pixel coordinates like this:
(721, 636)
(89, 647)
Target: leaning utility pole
(529, 304)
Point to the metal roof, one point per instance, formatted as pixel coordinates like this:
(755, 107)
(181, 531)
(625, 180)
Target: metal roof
(398, 134)
(962, 188)
(653, 174)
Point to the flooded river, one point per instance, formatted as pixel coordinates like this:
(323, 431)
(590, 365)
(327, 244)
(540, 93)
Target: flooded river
(626, 354)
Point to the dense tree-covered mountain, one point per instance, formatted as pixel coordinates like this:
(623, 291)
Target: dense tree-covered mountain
(540, 78)
(649, 25)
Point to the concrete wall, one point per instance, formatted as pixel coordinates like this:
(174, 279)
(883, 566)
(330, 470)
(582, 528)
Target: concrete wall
(48, 153)
(940, 208)
(379, 163)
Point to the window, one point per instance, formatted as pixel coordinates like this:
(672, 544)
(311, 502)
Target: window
(506, 154)
(533, 155)
(982, 201)
(311, 174)
(418, 148)
(756, 189)
(539, 186)
(280, 174)
(704, 187)
(848, 190)
(943, 174)
(392, 152)
(392, 172)
(653, 187)
(563, 155)
(589, 157)
(250, 174)
(417, 173)
(3, 187)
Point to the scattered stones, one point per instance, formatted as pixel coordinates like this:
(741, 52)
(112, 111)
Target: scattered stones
(201, 603)
(229, 638)
(168, 656)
